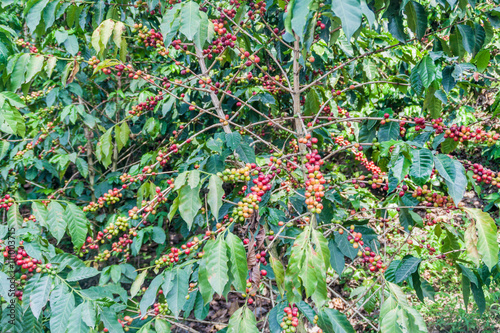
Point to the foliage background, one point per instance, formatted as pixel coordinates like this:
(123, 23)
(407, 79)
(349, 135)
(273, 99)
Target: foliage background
(77, 124)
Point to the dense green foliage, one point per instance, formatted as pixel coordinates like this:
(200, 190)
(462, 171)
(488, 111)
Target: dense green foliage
(314, 163)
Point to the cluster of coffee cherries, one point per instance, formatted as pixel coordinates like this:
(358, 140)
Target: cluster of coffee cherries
(22, 43)
(315, 182)
(111, 197)
(220, 44)
(35, 95)
(21, 258)
(173, 256)
(369, 257)
(271, 84)
(241, 174)
(259, 8)
(290, 320)
(483, 175)
(163, 158)
(438, 125)
(419, 123)
(150, 37)
(148, 105)
(121, 224)
(94, 62)
(161, 309)
(464, 134)
(122, 246)
(248, 205)
(90, 241)
(430, 198)
(359, 156)
(103, 256)
(29, 218)
(6, 202)
(432, 219)
(249, 291)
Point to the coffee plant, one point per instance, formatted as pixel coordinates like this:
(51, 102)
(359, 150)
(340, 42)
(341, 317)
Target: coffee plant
(294, 162)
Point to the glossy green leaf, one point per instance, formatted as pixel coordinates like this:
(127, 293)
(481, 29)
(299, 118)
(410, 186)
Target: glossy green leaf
(217, 270)
(333, 321)
(77, 224)
(56, 220)
(239, 268)
(189, 203)
(349, 12)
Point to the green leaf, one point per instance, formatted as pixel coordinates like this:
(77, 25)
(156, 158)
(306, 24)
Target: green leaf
(5, 286)
(40, 212)
(389, 322)
(426, 71)
(467, 37)
(300, 14)
(30, 323)
(4, 148)
(481, 60)
(478, 294)
(139, 280)
(246, 153)
(408, 266)
(217, 270)
(333, 321)
(337, 259)
(233, 140)
(190, 19)
(465, 290)
(448, 145)
(122, 134)
(453, 173)
(176, 297)
(62, 304)
(77, 224)
(238, 257)
(75, 322)
(432, 104)
(242, 321)
(82, 273)
(162, 326)
(104, 149)
(40, 294)
(110, 321)
(401, 168)
(205, 32)
(35, 14)
(194, 178)
(487, 236)
(279, 273)
(215, 194)
(56, 220)
(34, 66)
(82, 167)
(312, 104)
(189, 203)
(150, 294)
(12, 122)
(389, 131)
(349, 12)
(14, 217)
(206, 290)
(422, 164)
(417, 18)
